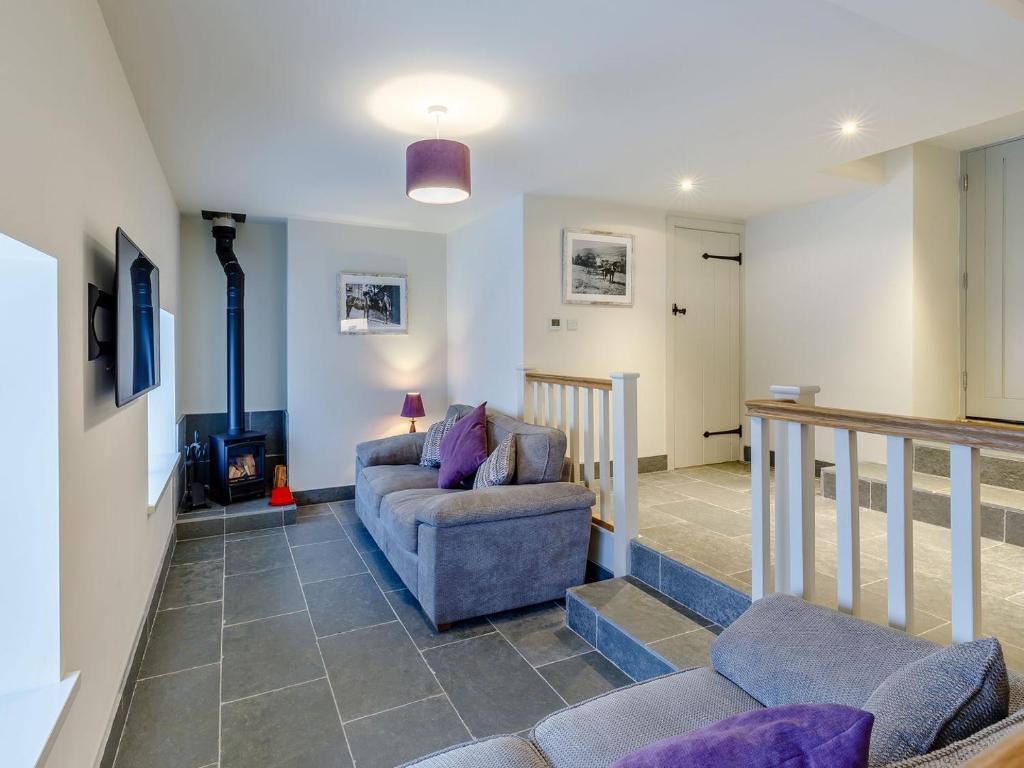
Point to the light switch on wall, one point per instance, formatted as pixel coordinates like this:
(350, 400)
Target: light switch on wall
(571, 324)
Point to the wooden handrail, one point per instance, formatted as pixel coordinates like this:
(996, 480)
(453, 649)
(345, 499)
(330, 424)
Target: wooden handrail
(569, 381)
(977, 434)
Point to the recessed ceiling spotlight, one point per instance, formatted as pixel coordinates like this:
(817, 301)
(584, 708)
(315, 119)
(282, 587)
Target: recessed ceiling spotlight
(686, 185)
(849, 127)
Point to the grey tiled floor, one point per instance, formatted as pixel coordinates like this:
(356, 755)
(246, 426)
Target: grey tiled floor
(300, 646)
(700, 516)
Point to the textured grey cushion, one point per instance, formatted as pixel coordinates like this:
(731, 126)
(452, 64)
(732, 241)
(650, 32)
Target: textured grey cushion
(944, 697)
(498, 752)
(598, 732)
(960, 752)
(503, 502)
(398, 514)
(377, 482)
(499, 468)
(400, 449)
(540, 451)
(783, 650)
(431, 456)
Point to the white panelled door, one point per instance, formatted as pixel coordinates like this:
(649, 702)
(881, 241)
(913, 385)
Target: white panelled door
(707, 346)
(995, 282)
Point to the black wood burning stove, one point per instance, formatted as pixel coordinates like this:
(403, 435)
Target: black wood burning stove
(237, 457)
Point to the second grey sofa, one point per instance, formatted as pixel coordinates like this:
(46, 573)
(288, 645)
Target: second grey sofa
(466, 553)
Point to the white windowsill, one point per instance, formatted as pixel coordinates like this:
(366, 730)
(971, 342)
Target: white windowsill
(161, 470)
(30, 720)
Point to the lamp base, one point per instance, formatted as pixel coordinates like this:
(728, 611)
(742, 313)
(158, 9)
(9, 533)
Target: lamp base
(412, 425)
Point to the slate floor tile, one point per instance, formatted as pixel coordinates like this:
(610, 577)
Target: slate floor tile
(259, 532)
(686, 651)
(399, 735)
(183, 638)
(376, 669)
(258, 553)
(312, 510)
(385, 576)
(419, 627)
(296, 726)
(582, 677)
(268, 654)
(260, 594)
(491, 686)
(360, 537)
(311, 530)
(327, 560)
(637, 609)
(193, 583)
(197, 550)
(539, 633)
(351, 602)
(345, 511)
(172, 721)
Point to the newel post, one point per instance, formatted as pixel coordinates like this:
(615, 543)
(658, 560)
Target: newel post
(624, 468)
(521, 396)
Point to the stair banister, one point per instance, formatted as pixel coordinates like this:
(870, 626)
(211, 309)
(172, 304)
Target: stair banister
(625, 461)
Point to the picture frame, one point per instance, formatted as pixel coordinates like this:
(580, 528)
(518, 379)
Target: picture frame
(370, 303)
(597, 268)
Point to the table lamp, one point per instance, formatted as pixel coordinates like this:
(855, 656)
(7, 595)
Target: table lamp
(413, 409)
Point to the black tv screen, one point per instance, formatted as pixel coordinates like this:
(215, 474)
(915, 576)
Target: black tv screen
(137, 360)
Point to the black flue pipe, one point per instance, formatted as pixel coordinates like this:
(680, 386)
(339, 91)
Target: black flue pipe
(224, 235)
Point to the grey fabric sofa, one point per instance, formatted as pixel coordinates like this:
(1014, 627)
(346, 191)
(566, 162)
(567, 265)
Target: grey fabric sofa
(782, 650)
(466, 553)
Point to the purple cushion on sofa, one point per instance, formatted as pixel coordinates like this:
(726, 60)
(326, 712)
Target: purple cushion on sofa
(463, 449)
(790, 736)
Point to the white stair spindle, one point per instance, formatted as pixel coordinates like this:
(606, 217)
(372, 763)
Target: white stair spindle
(523, 388)
(800, 487)
(900, 530)
(574, 434)
(847, 522)
(563, 411)
(545, 407)
(760, 492)
(626, 506)
(604, 449)
(588, 439)
(965, 534)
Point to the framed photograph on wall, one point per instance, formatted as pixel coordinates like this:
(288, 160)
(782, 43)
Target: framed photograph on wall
(372, 303)
(597, 268)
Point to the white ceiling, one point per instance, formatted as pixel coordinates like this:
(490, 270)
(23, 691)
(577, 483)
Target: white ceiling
(263, 106)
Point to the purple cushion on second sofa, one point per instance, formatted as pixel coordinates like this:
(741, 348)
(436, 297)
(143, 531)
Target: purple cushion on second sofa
(463, 449)
(791, 736)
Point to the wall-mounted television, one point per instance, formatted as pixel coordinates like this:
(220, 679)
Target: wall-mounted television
(137, 293)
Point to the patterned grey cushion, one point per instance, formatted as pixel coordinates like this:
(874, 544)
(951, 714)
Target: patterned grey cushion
(783, 650)
(959, 753)
(431, 456)
(598, 732)
(500, 467)
(497, 752)
(944, 697)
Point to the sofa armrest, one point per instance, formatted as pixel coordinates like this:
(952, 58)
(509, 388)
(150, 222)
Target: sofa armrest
(399, 449)
(502, 503)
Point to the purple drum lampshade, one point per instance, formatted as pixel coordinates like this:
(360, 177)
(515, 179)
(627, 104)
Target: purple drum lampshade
(437, 171)
(413, 407)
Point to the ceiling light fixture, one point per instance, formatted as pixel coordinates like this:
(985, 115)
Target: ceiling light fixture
(849, 127)
(686, 185)
(437, 170)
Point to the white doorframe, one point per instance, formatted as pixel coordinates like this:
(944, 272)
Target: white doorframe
(725, 226)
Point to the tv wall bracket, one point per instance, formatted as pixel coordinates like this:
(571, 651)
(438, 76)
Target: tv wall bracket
(738, 259)
(101, 347)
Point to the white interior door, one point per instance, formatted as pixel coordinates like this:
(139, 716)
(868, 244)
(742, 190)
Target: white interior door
(707, 347)
(995, 282)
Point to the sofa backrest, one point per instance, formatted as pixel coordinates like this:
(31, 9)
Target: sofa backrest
(540, 451)
(783, 650)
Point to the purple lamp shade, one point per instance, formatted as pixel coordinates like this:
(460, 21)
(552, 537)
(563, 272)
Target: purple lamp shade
(413, 409)
(437, 171)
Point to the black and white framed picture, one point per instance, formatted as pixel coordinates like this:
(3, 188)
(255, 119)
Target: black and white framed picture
(371, 303)
(597, 268)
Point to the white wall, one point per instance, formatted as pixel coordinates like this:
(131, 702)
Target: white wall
(936, 356)
(261, 249)
(609, 338)
(343, 389)
(77, 162)
(829, 300)
(485, 308)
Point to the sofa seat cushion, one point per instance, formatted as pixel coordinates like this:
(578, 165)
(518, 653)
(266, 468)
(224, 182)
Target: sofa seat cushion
(398, 514)
(598, 732)
(381, 480)
(783, 650)
(497, 752)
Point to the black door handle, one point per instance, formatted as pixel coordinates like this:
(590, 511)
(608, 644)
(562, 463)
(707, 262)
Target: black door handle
(678, 310)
